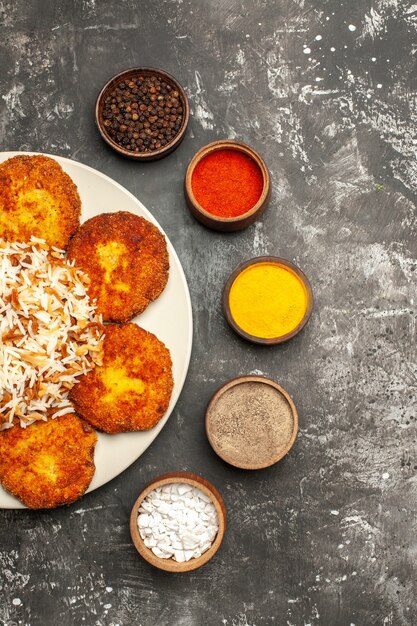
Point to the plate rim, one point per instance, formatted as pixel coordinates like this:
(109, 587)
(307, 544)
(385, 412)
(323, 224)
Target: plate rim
(181, 381)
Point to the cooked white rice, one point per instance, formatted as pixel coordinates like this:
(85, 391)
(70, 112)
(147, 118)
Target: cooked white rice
(49, 332)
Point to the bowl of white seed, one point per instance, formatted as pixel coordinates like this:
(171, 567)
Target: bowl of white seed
(178, 522)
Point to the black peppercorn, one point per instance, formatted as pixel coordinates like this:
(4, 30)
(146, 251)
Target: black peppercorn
(142, 114)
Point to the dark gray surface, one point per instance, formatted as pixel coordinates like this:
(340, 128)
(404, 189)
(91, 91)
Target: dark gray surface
(328, 536)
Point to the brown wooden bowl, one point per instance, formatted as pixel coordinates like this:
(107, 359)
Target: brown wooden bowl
(239, 381)
(170, 565)
(253, 338)
(126, 75)
(227, 224)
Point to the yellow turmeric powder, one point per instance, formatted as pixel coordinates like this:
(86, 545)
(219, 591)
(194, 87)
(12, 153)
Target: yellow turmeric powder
(268, 300)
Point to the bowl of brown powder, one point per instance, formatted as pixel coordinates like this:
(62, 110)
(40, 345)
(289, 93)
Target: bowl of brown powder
(251, 422)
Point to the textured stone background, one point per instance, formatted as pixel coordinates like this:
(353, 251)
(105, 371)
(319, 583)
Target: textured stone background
(325, 91)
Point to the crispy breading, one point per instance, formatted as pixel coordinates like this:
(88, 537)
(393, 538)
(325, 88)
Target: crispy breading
(48, 463)
(37, 198)
(132, 389)
(126, 258)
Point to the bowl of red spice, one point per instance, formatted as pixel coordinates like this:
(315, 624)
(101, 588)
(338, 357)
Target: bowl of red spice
(227, 185)
(142, 113)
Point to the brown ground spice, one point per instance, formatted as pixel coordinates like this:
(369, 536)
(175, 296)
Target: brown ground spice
(250, 424)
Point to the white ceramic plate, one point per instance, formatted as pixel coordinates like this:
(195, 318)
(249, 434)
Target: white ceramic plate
(169, 317)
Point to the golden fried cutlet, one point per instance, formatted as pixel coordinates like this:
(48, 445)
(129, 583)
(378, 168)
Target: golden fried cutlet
(48, 463)
(37, 198)
(126, 258)
(132, 389)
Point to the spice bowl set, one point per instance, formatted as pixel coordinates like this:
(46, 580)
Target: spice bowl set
(178, 521)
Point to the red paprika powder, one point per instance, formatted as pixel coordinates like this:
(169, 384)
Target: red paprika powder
(227, 183)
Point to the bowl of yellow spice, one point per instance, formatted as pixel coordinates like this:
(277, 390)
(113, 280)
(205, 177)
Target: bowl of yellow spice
(267, 300)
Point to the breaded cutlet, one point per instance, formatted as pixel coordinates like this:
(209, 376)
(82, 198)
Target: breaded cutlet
(48, 463)
(126, 258)
(37, 198)
(132, 389)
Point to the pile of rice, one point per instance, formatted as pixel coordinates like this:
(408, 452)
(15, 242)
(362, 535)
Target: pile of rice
(49, 332)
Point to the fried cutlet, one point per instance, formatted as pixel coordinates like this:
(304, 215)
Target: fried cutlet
(48, 463)
(126, 258)
(37, 198)
(132, 389)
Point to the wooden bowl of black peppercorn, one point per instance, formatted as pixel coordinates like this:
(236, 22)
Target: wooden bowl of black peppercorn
(142, 113)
